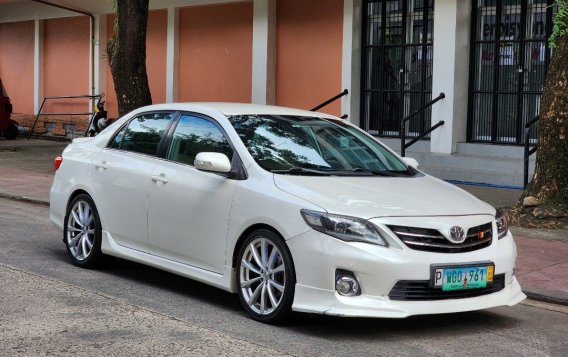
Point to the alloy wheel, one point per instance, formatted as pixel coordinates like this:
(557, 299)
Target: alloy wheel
(262, 276)
(81, 230)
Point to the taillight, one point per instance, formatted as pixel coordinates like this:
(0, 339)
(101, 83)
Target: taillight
(58, 161)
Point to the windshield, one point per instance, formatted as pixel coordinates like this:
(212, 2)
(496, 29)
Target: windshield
(293, 144)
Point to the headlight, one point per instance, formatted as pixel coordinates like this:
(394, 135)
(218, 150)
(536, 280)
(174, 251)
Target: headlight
(349, 229)
(502, 226)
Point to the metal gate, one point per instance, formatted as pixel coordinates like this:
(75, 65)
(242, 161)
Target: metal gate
(509, 57)
(397, 45)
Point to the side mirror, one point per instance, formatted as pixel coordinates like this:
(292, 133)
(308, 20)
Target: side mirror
(410, 162)
(212, 161)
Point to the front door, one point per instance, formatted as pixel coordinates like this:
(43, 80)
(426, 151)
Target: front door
(189, 209)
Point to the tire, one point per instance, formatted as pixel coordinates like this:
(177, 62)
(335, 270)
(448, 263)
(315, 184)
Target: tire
(82, 232)
(11, 132)
(265, 277)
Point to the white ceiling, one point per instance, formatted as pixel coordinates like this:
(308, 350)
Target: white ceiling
(24, 10)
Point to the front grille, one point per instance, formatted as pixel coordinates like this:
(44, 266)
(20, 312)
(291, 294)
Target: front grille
(420, 290)
(431, 240)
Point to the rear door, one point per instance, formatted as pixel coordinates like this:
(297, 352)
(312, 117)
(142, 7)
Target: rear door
(188, 209)
(121, 175)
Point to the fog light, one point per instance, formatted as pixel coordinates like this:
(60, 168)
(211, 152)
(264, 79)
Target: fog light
(347, 286)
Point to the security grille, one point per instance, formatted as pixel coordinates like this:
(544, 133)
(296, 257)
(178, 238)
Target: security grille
(509, 57)
(396, 64)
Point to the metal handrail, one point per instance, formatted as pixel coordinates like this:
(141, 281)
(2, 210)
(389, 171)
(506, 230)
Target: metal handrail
(528, 151)
(345, 92)
(92, 114)
(403, 144)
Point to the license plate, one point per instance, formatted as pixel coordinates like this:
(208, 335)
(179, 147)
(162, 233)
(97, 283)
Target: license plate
(462, 277)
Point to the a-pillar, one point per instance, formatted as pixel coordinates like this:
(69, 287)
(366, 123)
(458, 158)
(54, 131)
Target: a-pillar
(450, 73)
(264, 52)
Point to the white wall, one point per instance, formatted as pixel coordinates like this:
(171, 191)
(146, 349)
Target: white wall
(450, 73)
(351, 59)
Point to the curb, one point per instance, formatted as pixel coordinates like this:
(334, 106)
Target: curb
(546, 296)
(19, 198)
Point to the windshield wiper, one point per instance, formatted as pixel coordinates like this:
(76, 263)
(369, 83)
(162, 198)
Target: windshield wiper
(377, 173)
(301, 171)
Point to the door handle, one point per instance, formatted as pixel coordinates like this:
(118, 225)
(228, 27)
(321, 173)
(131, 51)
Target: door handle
(102, 165)
(159, 178)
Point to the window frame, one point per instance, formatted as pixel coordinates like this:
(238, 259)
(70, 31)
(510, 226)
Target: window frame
(163, 137)
(238, 171)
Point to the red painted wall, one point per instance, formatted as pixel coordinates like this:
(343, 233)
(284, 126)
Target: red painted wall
(66, 44)
(215, 51)
(155, 60)
(17, 64)
(308, 53)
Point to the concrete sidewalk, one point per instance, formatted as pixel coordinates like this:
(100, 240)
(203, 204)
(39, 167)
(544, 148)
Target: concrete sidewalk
(26, 173)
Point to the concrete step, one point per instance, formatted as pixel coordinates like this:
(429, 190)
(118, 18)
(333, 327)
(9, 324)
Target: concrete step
(499, 165)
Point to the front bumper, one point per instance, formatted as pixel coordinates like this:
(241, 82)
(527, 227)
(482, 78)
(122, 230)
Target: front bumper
(317, 256)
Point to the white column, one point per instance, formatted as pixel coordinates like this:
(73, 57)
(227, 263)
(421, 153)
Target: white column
(100, 53)
(172, 55)
(38, 64)
(450, 73)
(351, 59)
(264, 52)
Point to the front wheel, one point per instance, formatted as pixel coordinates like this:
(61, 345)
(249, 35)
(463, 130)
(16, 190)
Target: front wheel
(265, 277)
(82, 233)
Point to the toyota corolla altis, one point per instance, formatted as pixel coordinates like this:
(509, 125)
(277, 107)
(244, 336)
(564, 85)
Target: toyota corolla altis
(290, 209)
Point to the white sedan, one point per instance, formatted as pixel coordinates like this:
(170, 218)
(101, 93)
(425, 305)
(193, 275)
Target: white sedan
(290, 209)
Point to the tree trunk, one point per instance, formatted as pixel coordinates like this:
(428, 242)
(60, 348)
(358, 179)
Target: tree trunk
(127, 55)
(544, 203)
(550, 181)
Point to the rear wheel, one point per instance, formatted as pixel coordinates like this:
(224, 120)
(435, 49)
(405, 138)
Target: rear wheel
(82, 232)
(11, 132)
(265, 276)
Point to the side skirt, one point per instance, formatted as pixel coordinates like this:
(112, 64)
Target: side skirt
(225, 281)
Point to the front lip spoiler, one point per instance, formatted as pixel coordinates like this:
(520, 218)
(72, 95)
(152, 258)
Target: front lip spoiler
(331, 303)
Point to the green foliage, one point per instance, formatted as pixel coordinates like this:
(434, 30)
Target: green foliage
(560, 25)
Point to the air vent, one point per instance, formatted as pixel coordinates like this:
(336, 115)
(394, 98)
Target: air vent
(420, 290)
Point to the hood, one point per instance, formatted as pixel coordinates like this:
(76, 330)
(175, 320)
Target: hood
(373, 197)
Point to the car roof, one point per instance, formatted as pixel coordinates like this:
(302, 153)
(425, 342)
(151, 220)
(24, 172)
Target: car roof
(229, 109)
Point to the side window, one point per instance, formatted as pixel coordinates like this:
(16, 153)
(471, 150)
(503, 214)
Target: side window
(194, 135)
(142, 134)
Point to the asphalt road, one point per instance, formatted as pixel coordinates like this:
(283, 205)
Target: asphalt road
(48, 306)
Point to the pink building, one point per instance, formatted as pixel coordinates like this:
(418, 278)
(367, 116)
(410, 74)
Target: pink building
(286, 53)
(488, 57)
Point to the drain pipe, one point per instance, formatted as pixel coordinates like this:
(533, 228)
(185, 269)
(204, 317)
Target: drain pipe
(92, 36)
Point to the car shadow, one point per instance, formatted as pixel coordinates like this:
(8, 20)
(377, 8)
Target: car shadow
(163, 280)
(323, 326)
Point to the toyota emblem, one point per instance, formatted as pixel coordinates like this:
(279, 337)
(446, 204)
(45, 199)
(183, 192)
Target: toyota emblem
(457, 234)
